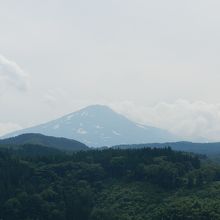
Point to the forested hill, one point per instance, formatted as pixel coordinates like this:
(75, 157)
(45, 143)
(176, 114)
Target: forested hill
(48, 141)
(199, 148)
(111, 184)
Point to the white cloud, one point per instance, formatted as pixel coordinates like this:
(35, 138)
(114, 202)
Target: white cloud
(8, 127)
(11, 75)
(192, 120)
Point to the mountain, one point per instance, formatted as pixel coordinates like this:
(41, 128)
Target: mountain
(97, 126)
(31, 150)
(200, 148)
(42, 140)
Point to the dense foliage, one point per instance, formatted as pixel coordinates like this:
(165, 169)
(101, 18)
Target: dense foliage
(208, 148)
(109, 184)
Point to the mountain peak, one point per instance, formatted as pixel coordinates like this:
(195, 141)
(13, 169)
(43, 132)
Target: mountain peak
(99, 125)
(91, 111)
(96, 108)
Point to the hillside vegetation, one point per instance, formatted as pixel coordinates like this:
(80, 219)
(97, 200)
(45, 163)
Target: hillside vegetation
(108, 184)
(210, 149)
(60, 143)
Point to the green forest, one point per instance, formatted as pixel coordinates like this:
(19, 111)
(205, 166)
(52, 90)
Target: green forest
(39, 183)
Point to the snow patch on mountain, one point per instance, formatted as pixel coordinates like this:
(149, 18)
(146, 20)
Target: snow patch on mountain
(116, 133)
(69, 117)
(81, 131)
(141, 126)
(56, 126)
(84, 114)
(106, 137)
(98, 127)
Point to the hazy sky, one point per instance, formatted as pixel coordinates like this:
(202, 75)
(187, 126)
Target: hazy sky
(155, 61)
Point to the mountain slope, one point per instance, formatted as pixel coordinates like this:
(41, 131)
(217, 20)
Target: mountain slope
(48, 141)
(98, 126)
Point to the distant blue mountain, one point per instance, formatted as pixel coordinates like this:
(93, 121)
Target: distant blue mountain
(98, 126)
